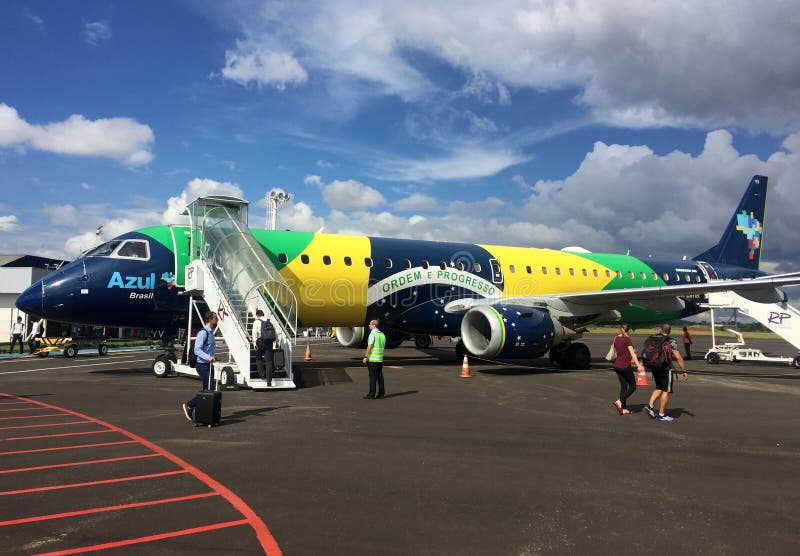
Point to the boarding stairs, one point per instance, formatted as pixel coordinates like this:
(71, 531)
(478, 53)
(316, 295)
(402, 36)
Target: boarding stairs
(781, 318)
(235, 278)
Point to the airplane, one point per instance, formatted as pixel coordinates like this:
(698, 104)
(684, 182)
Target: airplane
(502, 301)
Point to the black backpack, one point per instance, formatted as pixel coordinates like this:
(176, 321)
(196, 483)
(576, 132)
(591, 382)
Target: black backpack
(192, 359)
(267, 331)
(657, 352)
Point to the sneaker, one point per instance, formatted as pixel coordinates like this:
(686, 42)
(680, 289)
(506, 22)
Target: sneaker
(188, 411)
(650, 411)
(665, 417)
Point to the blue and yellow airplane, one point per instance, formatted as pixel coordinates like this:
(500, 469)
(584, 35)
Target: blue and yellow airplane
(503, 302)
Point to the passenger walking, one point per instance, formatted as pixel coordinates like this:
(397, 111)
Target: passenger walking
(687, 343)
(17, 332)
(658, 354)
(35, 337)
(204, 348)
(264, 343)
(626, 355)
(374, 360)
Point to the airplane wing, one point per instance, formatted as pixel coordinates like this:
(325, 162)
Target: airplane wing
(763, 289)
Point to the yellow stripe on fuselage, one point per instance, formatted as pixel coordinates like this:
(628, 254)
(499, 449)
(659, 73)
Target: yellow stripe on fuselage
(332, 294)
(521, 283)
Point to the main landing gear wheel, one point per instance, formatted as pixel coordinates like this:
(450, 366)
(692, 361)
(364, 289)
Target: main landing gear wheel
(162, 366)
(423, 342)
(577, 356)
(712, 358)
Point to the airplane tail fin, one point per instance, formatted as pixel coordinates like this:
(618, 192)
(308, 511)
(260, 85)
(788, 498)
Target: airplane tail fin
(741, 243)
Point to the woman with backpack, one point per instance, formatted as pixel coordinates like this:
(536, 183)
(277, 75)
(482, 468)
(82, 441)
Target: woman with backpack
(625, 355)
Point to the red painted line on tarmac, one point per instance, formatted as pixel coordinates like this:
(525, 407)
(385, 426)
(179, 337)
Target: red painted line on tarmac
(75, 463)
(150, 538)
(265, 538)
(33, 416)
(77, 447)
(93, 483)
(45, 425)
(55, 435)
(22, 408)
(88, 511)
(14, 403)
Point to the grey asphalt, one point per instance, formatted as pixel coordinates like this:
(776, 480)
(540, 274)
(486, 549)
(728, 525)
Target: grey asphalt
(521, 459)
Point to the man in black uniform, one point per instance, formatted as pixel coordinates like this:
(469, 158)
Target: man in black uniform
(264, 343)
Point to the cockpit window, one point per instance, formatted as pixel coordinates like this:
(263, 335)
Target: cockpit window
(134, 249)
(103, 250)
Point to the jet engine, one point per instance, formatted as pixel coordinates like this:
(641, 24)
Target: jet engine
(356, 336)
(497, 331)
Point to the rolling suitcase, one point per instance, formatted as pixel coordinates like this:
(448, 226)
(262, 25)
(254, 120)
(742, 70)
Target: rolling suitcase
(209, 406)
(278, 359)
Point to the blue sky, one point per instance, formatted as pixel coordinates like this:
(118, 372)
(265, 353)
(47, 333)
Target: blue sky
(526, 123)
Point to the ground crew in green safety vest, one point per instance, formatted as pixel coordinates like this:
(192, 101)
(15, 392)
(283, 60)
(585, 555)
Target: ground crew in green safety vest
(374, 360)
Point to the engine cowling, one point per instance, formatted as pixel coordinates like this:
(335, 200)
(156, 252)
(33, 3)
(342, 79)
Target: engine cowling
(357, 336)
(508, 331)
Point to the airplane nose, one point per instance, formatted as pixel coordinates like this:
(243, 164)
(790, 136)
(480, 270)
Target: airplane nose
(31, 301)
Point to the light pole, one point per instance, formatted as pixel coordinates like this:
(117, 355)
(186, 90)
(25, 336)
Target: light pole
(276, 199)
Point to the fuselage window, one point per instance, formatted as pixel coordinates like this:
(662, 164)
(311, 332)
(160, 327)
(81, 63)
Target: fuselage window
(134, 249)
(572, 272)
(326, 259)
(512, 268)
(697, 278)
(665, 276)
(387, 263)
(442, 265)
(460, 265)
(677, 277)
(424, 264)
(348, 261)
(595, 273)
(406, 263)
(585, 272)
(544, 270)
(688, 278)
(558, 271)
(630, 274)
(282, 258)
(476, 267)
(529, 270)
(608, 273)
(304, 258)
(643, 275)
(368, 262)
(619, 274)
(655, 276)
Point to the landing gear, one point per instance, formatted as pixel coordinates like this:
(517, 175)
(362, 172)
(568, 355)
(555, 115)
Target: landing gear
(423, 342)
(575, 356)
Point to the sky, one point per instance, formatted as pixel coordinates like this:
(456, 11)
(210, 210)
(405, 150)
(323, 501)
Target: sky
(616, 126)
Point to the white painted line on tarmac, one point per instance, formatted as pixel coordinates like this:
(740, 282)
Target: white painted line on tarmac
(70, 367)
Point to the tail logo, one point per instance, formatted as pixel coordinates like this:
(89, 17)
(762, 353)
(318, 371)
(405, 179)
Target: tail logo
(752, 229)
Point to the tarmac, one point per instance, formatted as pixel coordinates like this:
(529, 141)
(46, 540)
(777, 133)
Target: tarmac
(520, 459)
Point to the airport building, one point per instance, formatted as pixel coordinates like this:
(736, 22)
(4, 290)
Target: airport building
(17, 272)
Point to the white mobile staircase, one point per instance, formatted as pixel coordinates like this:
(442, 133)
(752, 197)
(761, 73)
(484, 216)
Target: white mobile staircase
(234, 276)
(781, 318)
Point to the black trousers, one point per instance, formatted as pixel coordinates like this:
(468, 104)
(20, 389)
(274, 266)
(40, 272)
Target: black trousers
(265, 360)
(376, 377)
(16, 338)
(688, 349)
(627, 384)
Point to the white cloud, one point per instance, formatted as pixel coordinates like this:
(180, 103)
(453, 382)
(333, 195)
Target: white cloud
(324, 164)
(263, 67)
(417, 201)
(121, 139)
(351, 195)
(8, 223)
(198, 187)
(464, 163)
(312, 179)
(631, 63)
(61, 215)
(86, 186)
(96, 31)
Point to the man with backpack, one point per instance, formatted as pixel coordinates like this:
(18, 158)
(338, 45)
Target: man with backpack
(657, 355)
(263, 343)
(204, 349)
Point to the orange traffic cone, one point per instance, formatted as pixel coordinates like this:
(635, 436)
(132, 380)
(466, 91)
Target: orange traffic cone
(465, 368)
(308, 353)
(641, 379)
